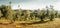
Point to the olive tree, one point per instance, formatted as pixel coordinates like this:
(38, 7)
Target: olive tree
(52, 13)
(19, 17)
(28, 15)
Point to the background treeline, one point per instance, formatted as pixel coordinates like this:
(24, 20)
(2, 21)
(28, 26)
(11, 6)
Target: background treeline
(6, 12)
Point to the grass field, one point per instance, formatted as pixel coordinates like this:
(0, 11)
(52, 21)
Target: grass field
(49, 24)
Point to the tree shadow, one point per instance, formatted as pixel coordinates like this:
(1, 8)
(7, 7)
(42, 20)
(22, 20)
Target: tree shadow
(39, 22)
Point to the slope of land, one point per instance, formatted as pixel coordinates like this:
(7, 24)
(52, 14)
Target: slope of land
(50, 24)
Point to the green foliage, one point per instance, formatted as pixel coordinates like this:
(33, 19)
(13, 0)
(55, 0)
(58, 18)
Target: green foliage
(23, 15)
(3, 9)
(1, 14)
(19, 15)
(56, 14)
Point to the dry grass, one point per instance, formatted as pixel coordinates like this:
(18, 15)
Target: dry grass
(4, 21)
(51, 24)
(7, 26)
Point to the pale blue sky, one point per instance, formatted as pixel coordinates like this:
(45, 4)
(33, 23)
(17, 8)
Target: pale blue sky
(32, 4)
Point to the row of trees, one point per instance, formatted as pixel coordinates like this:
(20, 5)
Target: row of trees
(8, 13)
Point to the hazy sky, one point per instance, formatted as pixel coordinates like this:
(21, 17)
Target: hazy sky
(32, 4)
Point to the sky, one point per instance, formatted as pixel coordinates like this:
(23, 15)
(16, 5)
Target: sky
(32, 4)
